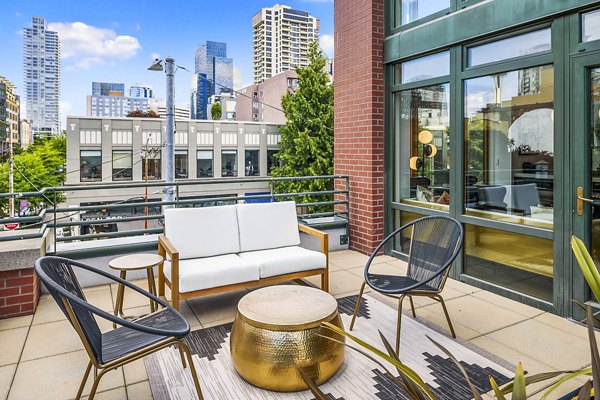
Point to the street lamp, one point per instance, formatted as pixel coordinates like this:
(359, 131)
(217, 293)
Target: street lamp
(170, 122)
(153, 151)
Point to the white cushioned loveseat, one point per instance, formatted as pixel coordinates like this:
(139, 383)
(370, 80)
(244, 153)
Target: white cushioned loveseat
(217, 249)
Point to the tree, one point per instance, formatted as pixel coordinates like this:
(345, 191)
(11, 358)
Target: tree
(306, 146)
(141, 114)
(216, 111)
(40, 165)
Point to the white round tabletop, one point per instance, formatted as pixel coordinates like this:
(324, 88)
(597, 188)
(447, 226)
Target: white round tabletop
(287, 306)
(135, 261)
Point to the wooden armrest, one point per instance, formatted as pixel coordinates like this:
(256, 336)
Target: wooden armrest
(166, 244)
(312, 231)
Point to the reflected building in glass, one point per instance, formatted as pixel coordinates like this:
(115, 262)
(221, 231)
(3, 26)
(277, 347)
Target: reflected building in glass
(216, 70)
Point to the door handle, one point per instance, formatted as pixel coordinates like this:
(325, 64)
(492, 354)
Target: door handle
(581, 200)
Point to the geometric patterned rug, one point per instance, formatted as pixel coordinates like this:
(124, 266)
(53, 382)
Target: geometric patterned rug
(358, 378)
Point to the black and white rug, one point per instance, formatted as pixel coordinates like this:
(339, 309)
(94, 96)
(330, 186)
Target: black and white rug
(358, 378)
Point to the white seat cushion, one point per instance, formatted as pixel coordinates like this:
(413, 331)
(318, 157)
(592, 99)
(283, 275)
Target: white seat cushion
(209, 272)
(285, 260)
(268, 225)
(203, 232)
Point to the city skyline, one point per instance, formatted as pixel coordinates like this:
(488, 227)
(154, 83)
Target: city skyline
(101, 45)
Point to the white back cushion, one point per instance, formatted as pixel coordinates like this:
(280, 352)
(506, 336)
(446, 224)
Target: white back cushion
(268, 225)
(203, 232)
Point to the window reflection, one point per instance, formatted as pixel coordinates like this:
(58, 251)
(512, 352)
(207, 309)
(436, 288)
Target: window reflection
(509, 124)
(122, 165)
(412, 10)
(229, 163)
(251, 163)
(590, 26)
(204, 164)
(516, 46)
(424, 135)
(90, 169)
(181, 164)
(422, 68)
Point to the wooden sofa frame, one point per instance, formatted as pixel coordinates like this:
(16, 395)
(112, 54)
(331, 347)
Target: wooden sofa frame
(168, 251)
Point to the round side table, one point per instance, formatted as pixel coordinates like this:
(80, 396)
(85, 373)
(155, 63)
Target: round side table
(277, 331)
(134, 262)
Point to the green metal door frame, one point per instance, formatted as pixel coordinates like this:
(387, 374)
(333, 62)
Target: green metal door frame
(570, 59)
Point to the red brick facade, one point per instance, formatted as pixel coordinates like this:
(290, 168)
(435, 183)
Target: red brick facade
(359, 115)
(19, 292)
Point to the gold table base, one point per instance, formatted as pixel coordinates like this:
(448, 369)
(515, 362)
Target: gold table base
(270, 359)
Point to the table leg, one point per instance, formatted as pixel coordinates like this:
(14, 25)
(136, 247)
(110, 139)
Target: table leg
(152, 288)
(119, 299)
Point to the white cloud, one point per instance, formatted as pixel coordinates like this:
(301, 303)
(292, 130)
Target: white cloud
(18, 14)
(65, 107)
(326, 43)
(88, 45)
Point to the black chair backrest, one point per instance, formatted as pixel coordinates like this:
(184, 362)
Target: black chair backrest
(57, 275)
(435, 243)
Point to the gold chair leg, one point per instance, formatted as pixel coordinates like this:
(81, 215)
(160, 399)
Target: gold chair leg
(358, 300)
(182, 356)
(84, 380)
(441, 300)
(97, 378)
(412, 307)
(398, 328)
(120, 297)
(188, 353)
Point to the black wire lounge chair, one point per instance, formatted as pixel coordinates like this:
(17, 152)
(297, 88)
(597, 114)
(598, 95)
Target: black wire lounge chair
(132, 340)
(435, 242)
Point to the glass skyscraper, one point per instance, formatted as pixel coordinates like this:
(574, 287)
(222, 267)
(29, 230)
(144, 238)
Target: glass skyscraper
(41, 70)
(213, 66)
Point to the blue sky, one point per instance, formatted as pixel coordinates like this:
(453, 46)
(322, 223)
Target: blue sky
(116, 41)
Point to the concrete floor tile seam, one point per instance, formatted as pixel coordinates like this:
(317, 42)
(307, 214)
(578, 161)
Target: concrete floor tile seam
(12, 380)
(483, 334)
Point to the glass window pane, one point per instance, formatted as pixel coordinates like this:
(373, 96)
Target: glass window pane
(423, 140)
(90, 167)
(511, 260)
(122, 165)
(229, 163)
(181, 164)
(426, 67)
(590, 26)
(509, 153)
(204, 164)
(412, 10)
(516, 46)
(154, 168)
(252, 163)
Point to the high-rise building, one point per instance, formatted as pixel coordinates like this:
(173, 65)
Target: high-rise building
(212, 65)
(145, 92)
(108, 100)
(9, 114)
(281, 40)
(41, 77)
(108, 89)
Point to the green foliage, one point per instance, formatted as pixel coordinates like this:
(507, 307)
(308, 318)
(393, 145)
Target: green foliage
(141, 114)
(40, 165)
(215, 111)
(306, 147)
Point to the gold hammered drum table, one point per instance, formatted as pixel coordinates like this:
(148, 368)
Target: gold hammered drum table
(276, 332)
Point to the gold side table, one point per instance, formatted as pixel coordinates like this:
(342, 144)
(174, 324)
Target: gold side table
(277, 331)
(134, 262)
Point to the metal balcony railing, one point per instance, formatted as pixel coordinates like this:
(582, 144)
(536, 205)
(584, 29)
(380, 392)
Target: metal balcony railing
(139, 216)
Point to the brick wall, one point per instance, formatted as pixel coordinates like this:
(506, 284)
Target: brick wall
(359, 116)
(19, 292)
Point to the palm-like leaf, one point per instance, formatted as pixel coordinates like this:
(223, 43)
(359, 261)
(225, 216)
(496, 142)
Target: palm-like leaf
(410, 374)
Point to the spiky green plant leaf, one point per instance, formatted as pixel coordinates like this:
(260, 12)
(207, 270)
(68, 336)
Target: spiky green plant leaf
(474, 391)
(411, 374)
(587, 266)
(497, 390)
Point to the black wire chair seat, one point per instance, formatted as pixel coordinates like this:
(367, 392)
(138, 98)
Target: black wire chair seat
(132, 340)
(396, 283)
(123, 340)
(434, 244)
